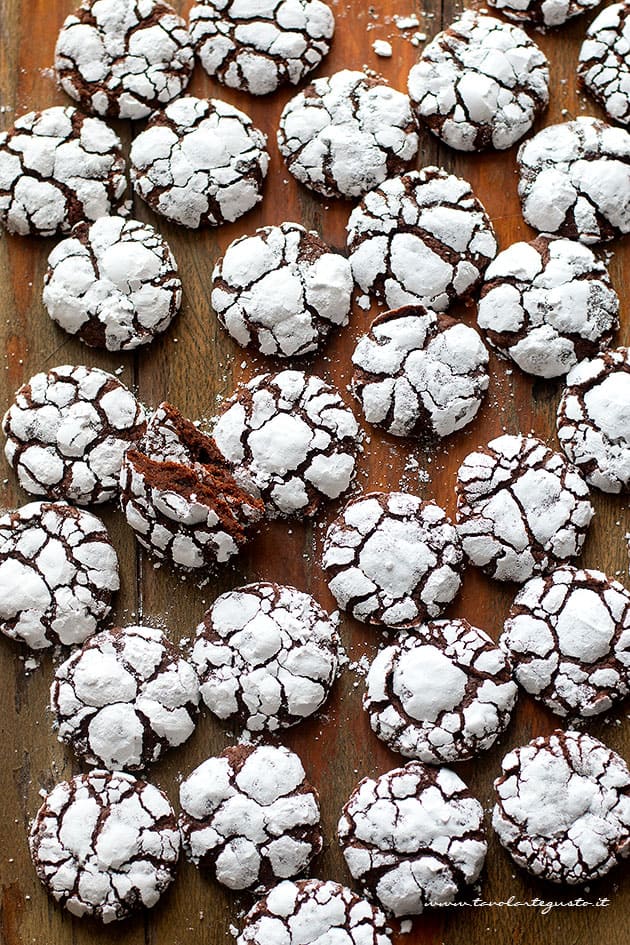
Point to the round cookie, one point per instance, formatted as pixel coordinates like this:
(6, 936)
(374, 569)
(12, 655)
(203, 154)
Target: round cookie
(125, 697)
(291, 440)
(594, 420)
(281, 290)
(420, 238)
(543, 14)
(267, 655)
(548, 304)
(345, 133)
(604, 62)
(259, 48)
(392, 559)
(441, 694)
(67, 431)
(114, 284)
(123, 58)
(574, 180)
(58, 167)
(200, 162)
(522, 508)
(563, 807)
(418, 373)
(105, 845)
(58, 573)
(413, 838)
(480, 84)
(568, 638)
(250, 816)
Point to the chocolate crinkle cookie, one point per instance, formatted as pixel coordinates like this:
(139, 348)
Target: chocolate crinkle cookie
(604, 63)
(67, 432)
(267, 655)
(123, 58)
(259, 47)
(345, 133)
(200, 162)
(392, 559)
(250, 816)
(563, 807)
(575, 180)
(419, 374)
(543, 14)
(58, 573)
(180, 498)
(413, 838)
(568, 638)
(548, 304)
(594, 420)
(58, 167)
(105, 845)
(282, 290)
(522, 508)
(422, 237)
(124, 698)
(114, 284)
(480, 84)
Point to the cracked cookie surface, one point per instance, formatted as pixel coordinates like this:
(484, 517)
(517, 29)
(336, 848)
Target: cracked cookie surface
(543, 14)
(604, 62)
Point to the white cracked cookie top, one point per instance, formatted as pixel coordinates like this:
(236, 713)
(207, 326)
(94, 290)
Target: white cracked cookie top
(200, 162)
(604, 61)
(113, 283)
(418, 373)
(594, 420)
(267, 655)
(413, 837)
(479, 84)
(421, 237)
(547, 304)
(521, 508)
(250, 816)
(58, 572)
(105, 844)
(257, 47)
(124, 698)
(563, 807)
(543, 14)
(281, 290)
(345, 133)
(392, 559)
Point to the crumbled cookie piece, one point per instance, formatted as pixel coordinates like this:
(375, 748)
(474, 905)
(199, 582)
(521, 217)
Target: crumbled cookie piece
(543, 14)
(604, 62)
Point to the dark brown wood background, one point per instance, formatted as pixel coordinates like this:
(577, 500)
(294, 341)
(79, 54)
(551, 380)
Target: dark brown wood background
(194, 364)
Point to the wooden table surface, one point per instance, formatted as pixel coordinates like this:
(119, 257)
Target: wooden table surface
(194, 365)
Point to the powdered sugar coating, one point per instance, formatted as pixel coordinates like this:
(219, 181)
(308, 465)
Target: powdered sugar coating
(604, 62)
(563, 807)
(58, 572)
(422, 237)
(105, 845)
(521, 508)
(480, 84)
(543, 13)
(547, 304)
(345, 133)
(281, 290)
(413, 837)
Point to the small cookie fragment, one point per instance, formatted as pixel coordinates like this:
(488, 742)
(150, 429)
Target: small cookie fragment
(58, 572)
(480, 84)
(604, 61)
(114, 284)
(200, 162)
(344, 134)
(281, 290)
(548, 304)
(422, 237)
(418, 373)
(563, 807)
(67, 432)
(413, 838)
(266, 655)
(543, 14)
(257, 48)
(250, 816)
(522, 508)
(105, 845)
(392, 559)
